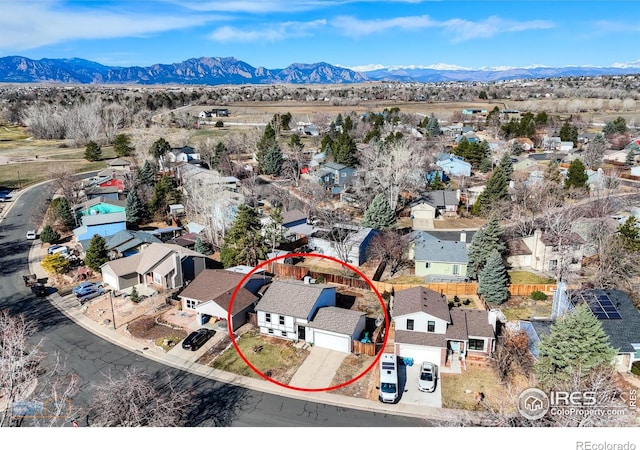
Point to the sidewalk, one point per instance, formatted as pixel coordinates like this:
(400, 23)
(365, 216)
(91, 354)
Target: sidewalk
(181, 360)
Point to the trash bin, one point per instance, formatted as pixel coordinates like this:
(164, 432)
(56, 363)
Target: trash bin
(204, 319)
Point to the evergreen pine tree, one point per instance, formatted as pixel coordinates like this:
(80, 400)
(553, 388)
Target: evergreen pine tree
(244, 243)
(345, 150)
(147, 174)
(631, 158)
(507, 165)
(62, 211)
(159, 149)
(201, 247)
(272, 161)
(576, 344)
(496, 190)
(267, 141)
(48, 235)
(576, 175)
(629, 231)
(476, 254)
(274, 231)
(436, 182)
(97, 253)
(483, 243)
(134, 208)
(433, 127)
(493, 279)
(379, 214)
(135, 298)
(122, 145)
(92, 151)
(569, 132)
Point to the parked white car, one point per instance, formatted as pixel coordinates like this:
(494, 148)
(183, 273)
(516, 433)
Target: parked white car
(428, 377)
(31, 234)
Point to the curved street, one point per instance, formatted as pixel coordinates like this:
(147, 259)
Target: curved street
(90, 357)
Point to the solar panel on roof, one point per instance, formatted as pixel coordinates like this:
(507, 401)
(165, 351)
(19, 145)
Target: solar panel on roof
(615, 315)
(601, 315)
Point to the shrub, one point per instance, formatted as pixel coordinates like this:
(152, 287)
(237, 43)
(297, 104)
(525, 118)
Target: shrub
(135, 298)
(48, 235)
(466, 302)
(537, 295)
(219, 124)
(635, 368)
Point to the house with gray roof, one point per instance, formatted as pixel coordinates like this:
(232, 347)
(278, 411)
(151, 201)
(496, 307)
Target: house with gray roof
(439, 260)
(619, 317)
(306, 312)
(210, 293)
(428, 330)
(129, 242)
(165, 266)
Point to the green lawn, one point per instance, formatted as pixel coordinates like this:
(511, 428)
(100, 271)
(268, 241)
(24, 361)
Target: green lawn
(12, 133)
(524, 277)
(277, 359)
(24, 174)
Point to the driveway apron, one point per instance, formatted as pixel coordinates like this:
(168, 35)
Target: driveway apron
(318, 370)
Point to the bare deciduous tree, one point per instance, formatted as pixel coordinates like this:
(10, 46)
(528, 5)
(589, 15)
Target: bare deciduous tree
(390, 248)
(114, 118)
(389, 169)
(133, 401)
(31, 386)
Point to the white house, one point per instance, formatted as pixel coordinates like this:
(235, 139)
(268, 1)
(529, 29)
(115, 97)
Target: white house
(454, 165)
(427, 330)
(306, 312)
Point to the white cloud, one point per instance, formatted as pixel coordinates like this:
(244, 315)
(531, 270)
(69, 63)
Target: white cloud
(270, 6)
(610, 26)
(272, 32)
(36, 24)
(458, 29)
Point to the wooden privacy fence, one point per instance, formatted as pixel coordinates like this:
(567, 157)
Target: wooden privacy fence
(448, 289)
(299, 272)
(370, 348)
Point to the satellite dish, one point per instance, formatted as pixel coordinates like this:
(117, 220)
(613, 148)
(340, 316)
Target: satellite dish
(379, 321)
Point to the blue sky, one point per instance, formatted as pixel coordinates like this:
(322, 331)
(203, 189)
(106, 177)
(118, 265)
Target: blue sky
(350, 33)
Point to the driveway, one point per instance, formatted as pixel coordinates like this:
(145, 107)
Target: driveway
(318, 370)
(408, 380)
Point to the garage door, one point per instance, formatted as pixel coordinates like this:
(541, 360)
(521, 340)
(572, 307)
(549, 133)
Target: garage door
(110, 280)
(332, 341)
(419, 353)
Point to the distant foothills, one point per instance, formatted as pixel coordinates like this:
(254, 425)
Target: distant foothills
(229, 70)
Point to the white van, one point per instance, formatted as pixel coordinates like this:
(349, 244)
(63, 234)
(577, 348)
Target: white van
(388, 378)
(62, 250)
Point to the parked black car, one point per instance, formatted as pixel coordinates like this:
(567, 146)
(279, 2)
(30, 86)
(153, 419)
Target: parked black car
(197, 339)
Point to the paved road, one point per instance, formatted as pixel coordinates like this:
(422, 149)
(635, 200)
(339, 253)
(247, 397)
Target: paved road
(89, 356)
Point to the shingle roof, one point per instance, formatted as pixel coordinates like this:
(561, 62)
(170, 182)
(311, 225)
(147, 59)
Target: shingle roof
(125, 266)
(99, 219)
(217, 285)
(477, 322)
(293, 215)
(289, 298)
(119, 162)
(420, 338)
(430, 248)
(338, 320)
(420, 299)
(439, 198)
(128, 239)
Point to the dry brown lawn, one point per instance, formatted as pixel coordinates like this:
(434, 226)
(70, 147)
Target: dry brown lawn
(354, 366)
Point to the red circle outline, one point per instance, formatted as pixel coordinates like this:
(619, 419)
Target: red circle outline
(306, 255)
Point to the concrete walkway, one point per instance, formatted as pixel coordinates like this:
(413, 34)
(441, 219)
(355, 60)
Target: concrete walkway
(318, 369)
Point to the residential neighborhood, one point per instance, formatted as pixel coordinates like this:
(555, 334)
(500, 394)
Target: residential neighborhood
(474, 250)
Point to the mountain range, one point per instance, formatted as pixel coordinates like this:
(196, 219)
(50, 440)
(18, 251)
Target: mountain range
(228, 70)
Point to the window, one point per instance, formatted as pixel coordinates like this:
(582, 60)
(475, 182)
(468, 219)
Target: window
(267, 317)
(191, 304)
(281, 320)
(409, 324)
(283, 333)
(431, 326)
(476, 344)
(553, 264)
(456, 269)
(270, 330)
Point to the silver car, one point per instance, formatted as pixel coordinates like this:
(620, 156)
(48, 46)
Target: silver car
(428, 377)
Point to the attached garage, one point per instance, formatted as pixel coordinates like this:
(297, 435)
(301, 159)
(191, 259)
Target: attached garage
(335, 328)
(332, 341)
(420, 353)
